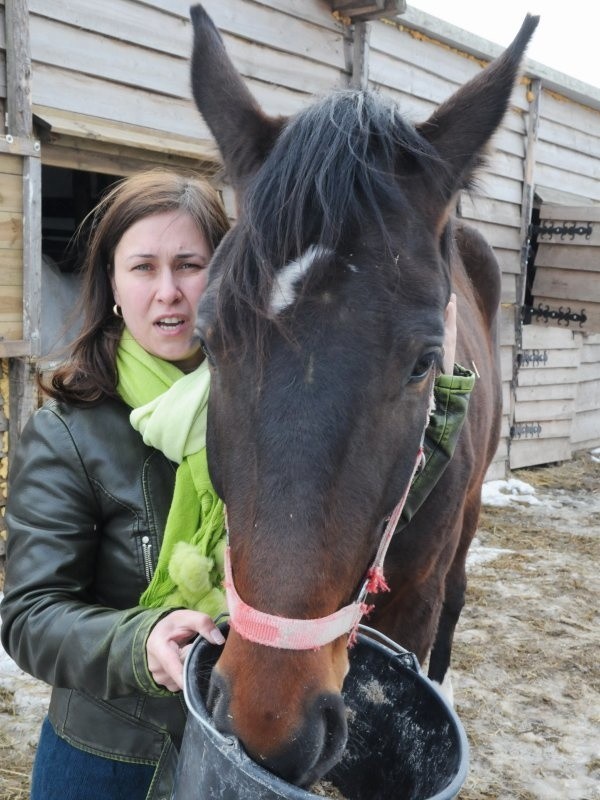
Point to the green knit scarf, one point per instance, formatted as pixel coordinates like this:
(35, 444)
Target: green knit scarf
(169, 410)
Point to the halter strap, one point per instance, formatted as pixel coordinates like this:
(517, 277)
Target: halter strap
(284, 632)
(312, 634)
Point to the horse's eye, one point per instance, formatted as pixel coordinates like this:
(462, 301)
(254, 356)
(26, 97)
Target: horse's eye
(422, 367)
(207, 353)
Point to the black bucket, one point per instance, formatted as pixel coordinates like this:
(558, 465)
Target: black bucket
(404, 740)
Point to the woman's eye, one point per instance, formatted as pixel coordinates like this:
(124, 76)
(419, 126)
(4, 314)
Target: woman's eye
(422, 367)
(142, 267)
(191, 266)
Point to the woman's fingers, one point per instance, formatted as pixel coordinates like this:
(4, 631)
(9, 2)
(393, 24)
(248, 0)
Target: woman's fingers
(170, 638)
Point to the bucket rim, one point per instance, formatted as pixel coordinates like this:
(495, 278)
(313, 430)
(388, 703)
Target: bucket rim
(366, 636)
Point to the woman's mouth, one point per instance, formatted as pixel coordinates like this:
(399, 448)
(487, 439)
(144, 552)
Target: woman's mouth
(170, 323)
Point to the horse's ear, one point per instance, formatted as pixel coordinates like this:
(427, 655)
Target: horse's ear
(244, 134)
(463, 125)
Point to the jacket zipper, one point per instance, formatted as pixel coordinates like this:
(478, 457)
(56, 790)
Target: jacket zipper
(147, 554)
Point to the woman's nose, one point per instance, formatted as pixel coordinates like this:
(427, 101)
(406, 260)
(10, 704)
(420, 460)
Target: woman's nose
(168, 289)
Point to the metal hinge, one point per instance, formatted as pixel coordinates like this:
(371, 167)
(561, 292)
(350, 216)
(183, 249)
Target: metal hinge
(561, 315)
(549, 229)
(528, 358)
(526, 430)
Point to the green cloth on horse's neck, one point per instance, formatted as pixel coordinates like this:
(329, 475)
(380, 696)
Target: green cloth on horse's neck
(169, 410)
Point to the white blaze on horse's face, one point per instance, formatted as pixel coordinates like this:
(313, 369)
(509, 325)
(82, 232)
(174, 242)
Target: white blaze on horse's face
(284, 286)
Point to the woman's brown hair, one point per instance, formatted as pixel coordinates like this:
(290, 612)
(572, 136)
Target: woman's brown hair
(90, 375)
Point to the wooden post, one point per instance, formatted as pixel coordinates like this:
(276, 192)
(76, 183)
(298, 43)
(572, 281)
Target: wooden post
(533, 121)
(534, 96)
(19, 117)
(360, 56)
(18, 68)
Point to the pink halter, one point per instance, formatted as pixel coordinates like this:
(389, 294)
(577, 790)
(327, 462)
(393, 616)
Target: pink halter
(312, 634)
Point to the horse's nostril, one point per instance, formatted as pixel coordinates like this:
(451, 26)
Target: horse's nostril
(317, 746)
(335, 722)
(217, 703)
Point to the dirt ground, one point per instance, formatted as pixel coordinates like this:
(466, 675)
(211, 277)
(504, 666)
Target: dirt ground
(526, 657)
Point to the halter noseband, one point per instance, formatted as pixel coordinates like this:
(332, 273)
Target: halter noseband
(311, 634)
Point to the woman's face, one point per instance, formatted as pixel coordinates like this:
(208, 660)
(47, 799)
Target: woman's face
(160, 272)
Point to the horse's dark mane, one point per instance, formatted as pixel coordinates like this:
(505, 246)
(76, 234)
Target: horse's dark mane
(336, 167)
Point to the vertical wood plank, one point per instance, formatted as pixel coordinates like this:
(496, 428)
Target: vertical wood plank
(32, 252)
(18, 68)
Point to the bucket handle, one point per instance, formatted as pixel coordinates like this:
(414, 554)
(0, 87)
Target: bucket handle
(405, 657)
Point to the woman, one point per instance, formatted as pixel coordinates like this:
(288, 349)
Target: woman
(89, 500)
(107, 535)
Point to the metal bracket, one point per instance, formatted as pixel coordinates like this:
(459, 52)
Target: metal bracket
(526, 430)
(528, 358)
(570, 229)
(561, 315)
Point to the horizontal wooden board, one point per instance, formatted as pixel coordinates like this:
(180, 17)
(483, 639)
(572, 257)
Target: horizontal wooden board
(560, 213)
(551, 392)
(543, 409)
(576, 256)
(11, 299)
(588, 396)
(497, 470)
(568, 285)
(11, 230)
(586, 430)
(109, 136)
(589, 371)
(544, 336)
(547, 358)
(13, 348)
(165, 26)
(11, 327)
(563, 136)
(546, 173)
(10, 164)
(11, 191)
(530, 452)
(474, 207)
(509, 280)
(567, 160)
(546, 377)
(11, 267)
(119, 62)
(507, 324)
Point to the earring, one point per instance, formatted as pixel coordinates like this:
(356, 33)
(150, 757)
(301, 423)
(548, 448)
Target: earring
(117, 311)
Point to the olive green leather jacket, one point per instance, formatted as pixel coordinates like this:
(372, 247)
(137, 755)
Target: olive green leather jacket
(87, 505)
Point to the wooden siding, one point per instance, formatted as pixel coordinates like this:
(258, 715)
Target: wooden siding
(545, 396)
(124, 65)
(11, 247)
(586, 423)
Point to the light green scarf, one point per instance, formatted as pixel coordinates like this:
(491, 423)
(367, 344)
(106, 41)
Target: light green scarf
(169, 410)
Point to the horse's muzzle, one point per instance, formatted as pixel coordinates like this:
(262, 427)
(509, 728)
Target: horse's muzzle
(313, 748)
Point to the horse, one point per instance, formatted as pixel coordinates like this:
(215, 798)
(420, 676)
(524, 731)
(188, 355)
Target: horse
(323, 324)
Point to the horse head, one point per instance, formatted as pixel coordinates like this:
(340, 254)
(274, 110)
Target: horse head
(323, 323)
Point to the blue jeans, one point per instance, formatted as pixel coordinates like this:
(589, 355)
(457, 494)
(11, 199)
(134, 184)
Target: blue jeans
(63, 772)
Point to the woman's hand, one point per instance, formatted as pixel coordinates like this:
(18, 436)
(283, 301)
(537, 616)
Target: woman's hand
(169, 641)
(450, 336)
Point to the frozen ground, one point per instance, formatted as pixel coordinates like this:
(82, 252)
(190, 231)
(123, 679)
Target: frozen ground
(526, 673)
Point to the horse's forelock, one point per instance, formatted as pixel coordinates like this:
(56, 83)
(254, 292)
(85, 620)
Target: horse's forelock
(333, 170)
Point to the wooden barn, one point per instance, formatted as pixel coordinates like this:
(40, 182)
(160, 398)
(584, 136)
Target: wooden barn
(92, 91)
